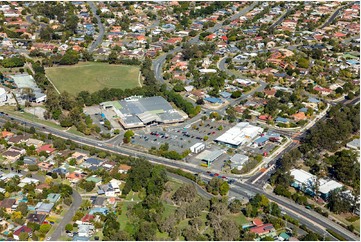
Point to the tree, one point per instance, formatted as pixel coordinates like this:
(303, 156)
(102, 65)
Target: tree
(310, 237)
(23, 236)
(200, 101)
(146, 231)
(235, 206)
(70, 57)
(186, 193)
(303, 63)
(337, 203)
(236, 94)
(217, 185)
(69, 227)
(16, 215)
(23, 208)
(45, 228)
(128, 135)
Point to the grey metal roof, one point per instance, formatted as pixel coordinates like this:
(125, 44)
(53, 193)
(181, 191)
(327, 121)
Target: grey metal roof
(213, 156)
(239, 159)
(140, 111)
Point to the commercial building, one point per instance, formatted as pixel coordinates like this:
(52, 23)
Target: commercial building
(306, 182)
(238, 160)
(198, 147)
(134, 112)
(3, 96)
(210, 156)
(240, 134)
(26, 81)
(354, 144)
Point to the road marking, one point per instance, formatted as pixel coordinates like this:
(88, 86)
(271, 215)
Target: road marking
(264, 173)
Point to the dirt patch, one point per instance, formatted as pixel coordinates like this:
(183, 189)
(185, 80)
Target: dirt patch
(37, 111)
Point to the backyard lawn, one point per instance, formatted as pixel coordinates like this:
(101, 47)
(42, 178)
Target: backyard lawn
(93, 76)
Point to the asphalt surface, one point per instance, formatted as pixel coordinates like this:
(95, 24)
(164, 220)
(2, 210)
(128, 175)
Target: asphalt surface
(32, 21)
(99, 39)
(280, 19)
(77, 200)
(334, 15)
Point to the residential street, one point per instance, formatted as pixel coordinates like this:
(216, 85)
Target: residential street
(100, 36)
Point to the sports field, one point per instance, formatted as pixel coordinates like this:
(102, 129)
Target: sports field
(92, 76)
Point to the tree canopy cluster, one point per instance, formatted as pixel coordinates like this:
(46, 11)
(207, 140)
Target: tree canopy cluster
(16, 61)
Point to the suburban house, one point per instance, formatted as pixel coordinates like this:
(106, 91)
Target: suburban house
(11, 156)
(43, 208)
(79, 157)
(299, 116)
(7, 204)
(35, 142)
(18, 139)
(124, 168)
(6, 134)
(85, 230)
(111, 189)
(282, 120)
(22, 229)
(47, 148)
(74, 177)
(60, 171)
(36, 218)
(91, 162)
(53, 197)
(323, 91)
(98, 202)
(45, 166)
(103, 211)
(94, 178)
(264, 230)
(87, 218)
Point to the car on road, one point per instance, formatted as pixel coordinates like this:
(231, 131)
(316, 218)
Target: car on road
(100, 145)
(231, 181)
(216, 174)
(49, 238)
(211, 174)
(224, 177)
(208, 172)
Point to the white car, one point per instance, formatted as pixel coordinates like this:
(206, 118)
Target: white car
(49, 238)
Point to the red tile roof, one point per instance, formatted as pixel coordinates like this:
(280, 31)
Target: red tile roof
(22, 229)
(87, 218)
(257, 222)
(47, 148)
(263, 229)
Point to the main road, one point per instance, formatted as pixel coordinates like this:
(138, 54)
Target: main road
(99, 39)
(321, 221)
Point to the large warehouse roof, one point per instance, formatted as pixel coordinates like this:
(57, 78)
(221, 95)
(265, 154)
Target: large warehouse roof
(139, 111)
(240, 134)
